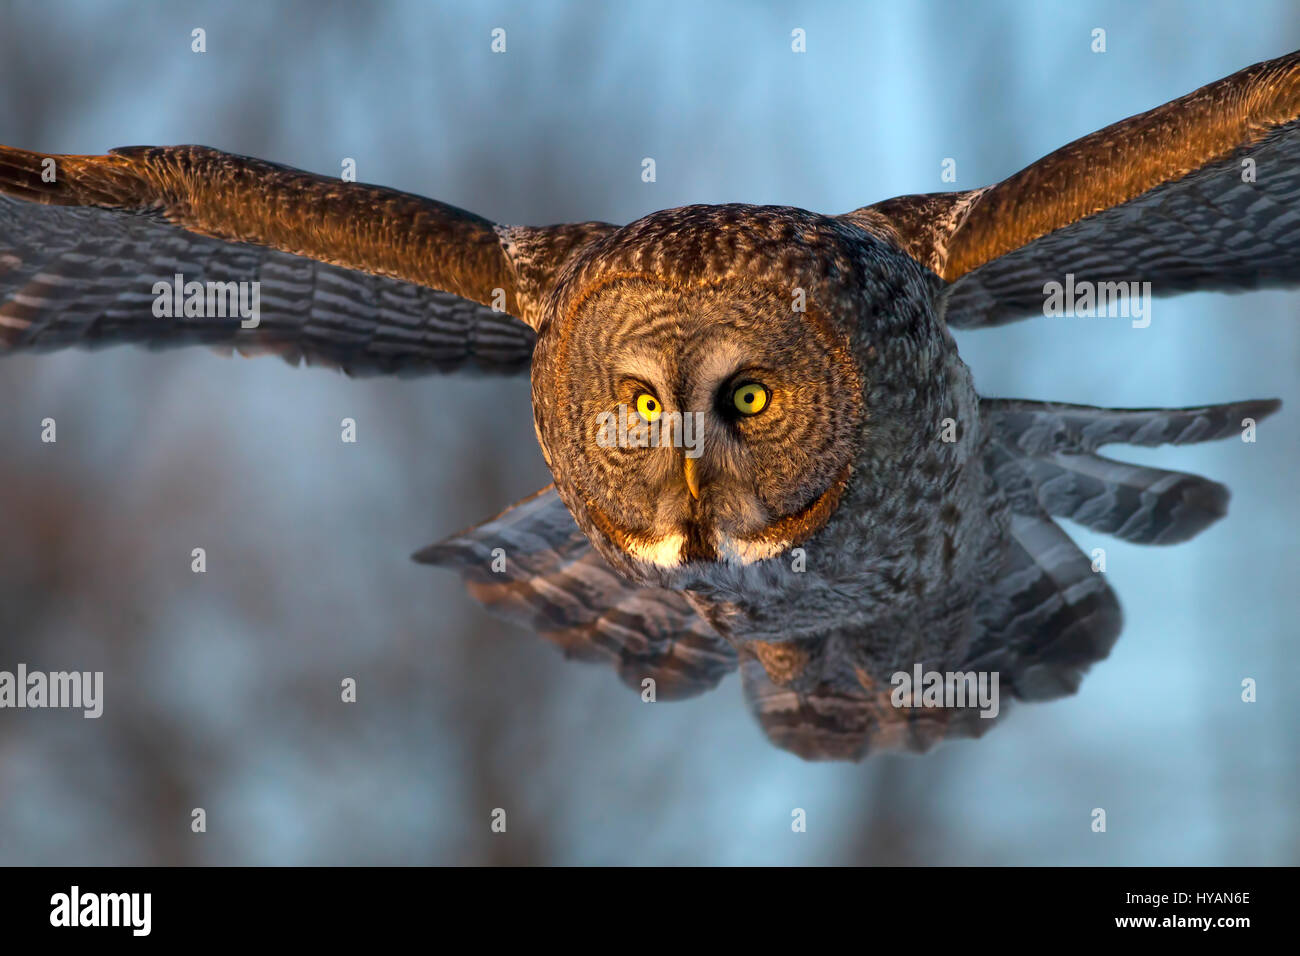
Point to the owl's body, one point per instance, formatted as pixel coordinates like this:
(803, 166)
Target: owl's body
(823, 502)
(893, 574)
(911, 564)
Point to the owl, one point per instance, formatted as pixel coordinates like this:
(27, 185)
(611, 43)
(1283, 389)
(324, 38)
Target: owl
(768, 455)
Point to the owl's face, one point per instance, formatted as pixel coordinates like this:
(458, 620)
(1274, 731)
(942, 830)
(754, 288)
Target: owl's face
(710, 421)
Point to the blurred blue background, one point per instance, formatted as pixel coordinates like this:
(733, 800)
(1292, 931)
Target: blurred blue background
(222, 689)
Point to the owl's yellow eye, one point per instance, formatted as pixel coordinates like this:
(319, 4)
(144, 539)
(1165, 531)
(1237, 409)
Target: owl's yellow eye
(750, 398)
(648, 407)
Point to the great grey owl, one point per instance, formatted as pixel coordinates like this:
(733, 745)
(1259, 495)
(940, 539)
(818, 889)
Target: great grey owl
(825, 502)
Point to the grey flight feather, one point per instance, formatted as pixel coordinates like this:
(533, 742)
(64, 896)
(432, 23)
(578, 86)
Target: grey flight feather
(85, 277)
(532, 566)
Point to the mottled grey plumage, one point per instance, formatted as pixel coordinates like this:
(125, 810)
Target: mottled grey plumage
(873, 516)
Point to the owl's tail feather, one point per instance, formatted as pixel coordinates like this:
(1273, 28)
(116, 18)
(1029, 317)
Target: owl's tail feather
(1042, 455)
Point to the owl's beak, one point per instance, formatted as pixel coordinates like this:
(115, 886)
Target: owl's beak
(692, 480)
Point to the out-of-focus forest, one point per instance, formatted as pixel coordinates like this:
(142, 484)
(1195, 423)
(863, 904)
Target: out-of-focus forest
(222, 689)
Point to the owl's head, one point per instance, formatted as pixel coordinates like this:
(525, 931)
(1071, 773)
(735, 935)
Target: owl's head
(696, 393)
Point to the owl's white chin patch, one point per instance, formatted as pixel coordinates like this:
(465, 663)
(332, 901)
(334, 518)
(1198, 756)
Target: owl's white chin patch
(739, 551)
(665, 552)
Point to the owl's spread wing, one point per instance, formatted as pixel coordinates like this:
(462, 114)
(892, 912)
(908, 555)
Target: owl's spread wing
(1200, 193)
(363, 277)
(533, 566)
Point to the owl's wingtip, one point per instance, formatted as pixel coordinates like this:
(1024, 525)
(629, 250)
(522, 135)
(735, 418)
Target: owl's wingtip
(1267, 406)
(438, 555)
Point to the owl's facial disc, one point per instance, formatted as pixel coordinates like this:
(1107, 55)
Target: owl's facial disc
(712, 423)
